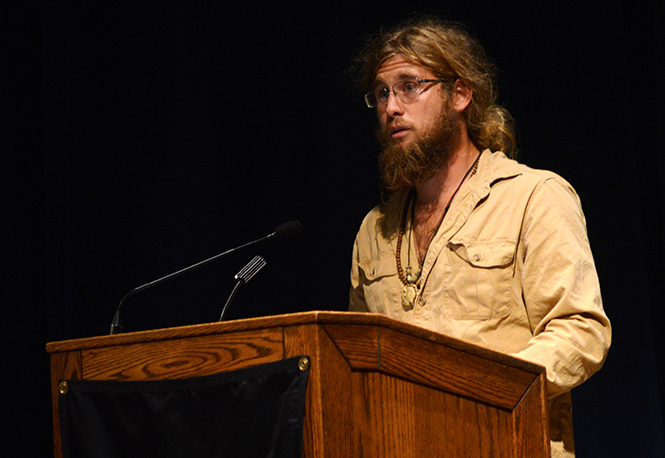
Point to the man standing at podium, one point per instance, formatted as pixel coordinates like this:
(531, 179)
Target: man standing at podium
(467, 242)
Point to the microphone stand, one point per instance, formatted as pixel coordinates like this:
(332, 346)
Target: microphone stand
(286, 230)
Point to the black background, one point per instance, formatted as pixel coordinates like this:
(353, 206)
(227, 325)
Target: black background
(141, 137)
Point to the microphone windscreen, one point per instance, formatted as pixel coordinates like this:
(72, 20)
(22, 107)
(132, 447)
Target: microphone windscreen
(288, 230)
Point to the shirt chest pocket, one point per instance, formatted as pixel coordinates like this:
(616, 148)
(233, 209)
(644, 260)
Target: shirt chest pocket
(478, 283)
(381, 284)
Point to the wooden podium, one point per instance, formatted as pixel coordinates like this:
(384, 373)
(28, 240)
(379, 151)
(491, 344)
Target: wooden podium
(377, 387)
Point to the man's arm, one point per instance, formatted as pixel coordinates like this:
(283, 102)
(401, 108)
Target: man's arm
(356, 296)
(561, 290)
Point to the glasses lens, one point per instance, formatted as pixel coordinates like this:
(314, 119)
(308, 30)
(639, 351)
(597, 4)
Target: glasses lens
(370, 100)
(408, 90)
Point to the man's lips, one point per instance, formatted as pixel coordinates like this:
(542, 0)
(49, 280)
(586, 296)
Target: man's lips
(398, 131)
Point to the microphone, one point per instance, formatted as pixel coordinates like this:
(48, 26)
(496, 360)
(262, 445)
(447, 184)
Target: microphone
(244, 276)
(287, 230)
(284, 231)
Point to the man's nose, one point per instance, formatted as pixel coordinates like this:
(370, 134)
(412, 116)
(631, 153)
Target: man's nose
(394, 106)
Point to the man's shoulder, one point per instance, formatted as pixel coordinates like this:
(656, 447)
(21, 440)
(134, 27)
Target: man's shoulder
(384, 218)
(502, 168)
(536, 188)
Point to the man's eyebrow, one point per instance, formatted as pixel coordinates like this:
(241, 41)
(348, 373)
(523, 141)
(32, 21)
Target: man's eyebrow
(401, 77)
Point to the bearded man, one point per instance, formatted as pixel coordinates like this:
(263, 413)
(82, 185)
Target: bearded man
(470, 243)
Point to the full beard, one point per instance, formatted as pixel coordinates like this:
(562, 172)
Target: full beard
(404, 166)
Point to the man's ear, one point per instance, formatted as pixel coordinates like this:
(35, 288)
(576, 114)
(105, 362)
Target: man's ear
(462, 95)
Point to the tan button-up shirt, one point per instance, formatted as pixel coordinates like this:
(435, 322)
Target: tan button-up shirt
(509, 269)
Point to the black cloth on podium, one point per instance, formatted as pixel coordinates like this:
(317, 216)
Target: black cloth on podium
(252, 412)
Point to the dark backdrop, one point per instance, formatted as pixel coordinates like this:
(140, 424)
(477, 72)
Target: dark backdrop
(141, 137)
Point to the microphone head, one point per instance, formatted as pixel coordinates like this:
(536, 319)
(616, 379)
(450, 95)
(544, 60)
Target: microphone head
(288, 230)
(251, 269)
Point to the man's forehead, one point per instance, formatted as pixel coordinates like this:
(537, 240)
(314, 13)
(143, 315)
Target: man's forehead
(398, 68)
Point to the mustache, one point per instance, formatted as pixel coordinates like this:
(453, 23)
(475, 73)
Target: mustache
(384, 134)
(398, 123)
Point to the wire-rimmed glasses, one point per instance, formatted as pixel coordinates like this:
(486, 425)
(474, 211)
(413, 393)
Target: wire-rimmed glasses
(407, 91)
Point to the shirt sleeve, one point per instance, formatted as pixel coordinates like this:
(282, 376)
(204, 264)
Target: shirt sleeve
(356, 296)
(561, 290)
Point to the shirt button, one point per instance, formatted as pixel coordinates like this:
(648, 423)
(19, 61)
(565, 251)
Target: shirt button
(477, 257)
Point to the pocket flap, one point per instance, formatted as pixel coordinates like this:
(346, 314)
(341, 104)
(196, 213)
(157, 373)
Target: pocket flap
(377, 268)
(485, 254)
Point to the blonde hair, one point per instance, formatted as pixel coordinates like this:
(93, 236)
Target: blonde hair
(448, 50)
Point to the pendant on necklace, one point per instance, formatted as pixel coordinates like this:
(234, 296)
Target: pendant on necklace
(409, 293)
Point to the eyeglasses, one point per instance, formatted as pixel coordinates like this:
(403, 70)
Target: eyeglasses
(407, 91)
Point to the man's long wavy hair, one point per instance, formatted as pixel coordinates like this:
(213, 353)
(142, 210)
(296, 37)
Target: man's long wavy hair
(447, 49)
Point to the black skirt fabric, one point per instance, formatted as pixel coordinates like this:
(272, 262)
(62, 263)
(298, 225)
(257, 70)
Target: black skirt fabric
(252, 412)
